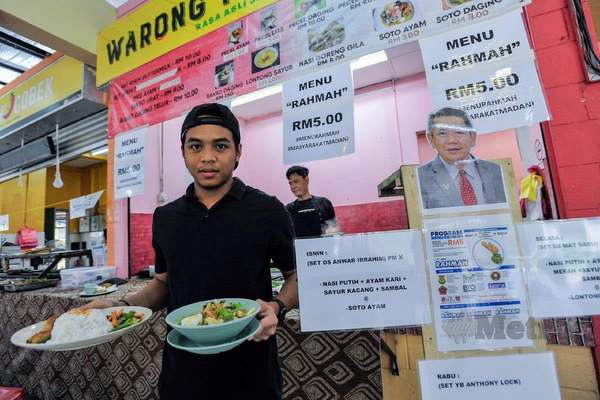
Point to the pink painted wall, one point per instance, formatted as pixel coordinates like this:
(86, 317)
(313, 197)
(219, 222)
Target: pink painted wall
(381, 147)
(344, 180)
(384, 141)
(413, 105)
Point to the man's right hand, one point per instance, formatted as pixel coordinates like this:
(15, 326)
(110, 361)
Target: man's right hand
(103, 303)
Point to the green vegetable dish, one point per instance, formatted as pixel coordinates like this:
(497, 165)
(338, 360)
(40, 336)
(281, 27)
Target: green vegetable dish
(214, 313)
(497, 258)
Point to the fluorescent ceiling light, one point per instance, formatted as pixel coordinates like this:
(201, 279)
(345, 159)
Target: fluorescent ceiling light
(100, 151)
(259, 94)
(368, 60)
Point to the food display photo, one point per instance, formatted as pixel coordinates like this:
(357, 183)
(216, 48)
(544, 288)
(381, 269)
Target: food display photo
(265, 58)
(448, 4)
(326, 36)
(224, 74)
(304, 7)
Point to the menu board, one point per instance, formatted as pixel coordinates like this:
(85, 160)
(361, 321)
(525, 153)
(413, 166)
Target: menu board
(486, 69)
(130, 164)
(479, 296)
(362, 281)
(318, 116)
(563, 267)
(274, 44)
(522, 376)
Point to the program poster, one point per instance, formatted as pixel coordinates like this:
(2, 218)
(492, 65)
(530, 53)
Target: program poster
(130, 164)
(4, 226)
(318, 116)
(479, 298)
(562, 267)
(518, 377)
(362, 281)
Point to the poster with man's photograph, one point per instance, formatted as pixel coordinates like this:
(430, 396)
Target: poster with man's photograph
(455, 180)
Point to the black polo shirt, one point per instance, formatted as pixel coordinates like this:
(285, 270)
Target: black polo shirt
(216, 253)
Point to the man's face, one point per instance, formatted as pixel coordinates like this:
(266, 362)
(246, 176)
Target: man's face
(451, 142)
(298, 185)
(210, 155)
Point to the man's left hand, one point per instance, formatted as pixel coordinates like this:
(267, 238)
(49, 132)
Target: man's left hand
(268, 321)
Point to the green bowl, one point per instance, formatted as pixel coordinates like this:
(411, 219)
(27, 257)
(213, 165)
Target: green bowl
(182, 343)
(211, 334)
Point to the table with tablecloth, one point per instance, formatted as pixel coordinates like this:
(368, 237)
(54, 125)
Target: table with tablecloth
(318, 365)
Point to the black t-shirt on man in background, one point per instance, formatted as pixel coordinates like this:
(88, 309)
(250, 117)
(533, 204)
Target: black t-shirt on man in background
(219, 253)
(310, 215)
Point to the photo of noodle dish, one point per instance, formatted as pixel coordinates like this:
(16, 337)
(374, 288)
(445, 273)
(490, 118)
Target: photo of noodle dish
(396, 13)
(78, 328)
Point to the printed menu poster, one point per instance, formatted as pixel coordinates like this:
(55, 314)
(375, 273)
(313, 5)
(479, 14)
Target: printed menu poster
(362, 281)
(279, 42)
(479, 298)
(518, 377)
(130, 164)
(488, 70)
(562, 267)
(318, 116)
(4, 226)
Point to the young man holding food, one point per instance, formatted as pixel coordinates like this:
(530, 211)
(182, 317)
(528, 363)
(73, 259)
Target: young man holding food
(217, 241)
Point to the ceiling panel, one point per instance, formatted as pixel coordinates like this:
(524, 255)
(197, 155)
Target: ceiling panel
(16, 54)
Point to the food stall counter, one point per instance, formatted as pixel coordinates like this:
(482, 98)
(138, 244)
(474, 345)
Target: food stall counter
(315, 365)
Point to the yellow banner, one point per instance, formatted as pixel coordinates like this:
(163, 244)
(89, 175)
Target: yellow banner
(51, 85)
(160, 26)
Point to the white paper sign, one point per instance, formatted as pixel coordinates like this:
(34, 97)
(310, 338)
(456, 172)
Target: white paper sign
(563, 267)
(4, 223)
(518, 377)
(362, 281)
(468, 48)
(488, 71)
(318, 116)
(99, 255)
(130, 163)
(78, 205)
(479, 297)
(502, 96)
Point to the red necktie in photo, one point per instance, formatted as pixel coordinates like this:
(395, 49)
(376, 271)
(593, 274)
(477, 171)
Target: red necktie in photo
(466, 189)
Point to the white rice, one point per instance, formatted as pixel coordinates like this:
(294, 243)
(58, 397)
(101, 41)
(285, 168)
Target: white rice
(77, 325)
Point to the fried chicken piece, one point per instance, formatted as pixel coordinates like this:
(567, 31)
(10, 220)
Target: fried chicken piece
(492, 248)
(44, 335)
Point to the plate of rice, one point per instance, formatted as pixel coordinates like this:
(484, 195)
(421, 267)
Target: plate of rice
(78, 329)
